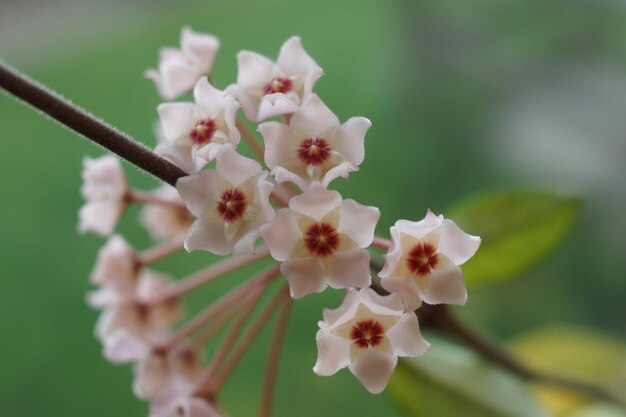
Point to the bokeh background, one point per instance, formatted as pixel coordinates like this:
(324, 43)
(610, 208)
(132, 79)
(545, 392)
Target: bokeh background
(465, 98)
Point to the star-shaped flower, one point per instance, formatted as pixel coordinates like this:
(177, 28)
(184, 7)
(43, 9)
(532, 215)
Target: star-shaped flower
(314, 146)
(165, 221)
(367, 333)
(179, 69)
(195, 133)
(116, 266)
(266, 89)
(321, 241)
(230, 204)
(422, 262)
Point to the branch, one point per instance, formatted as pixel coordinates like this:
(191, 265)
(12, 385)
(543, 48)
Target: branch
(87, 125)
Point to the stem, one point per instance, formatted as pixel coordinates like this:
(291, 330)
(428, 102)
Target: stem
(381, 242)
(250, 139)
(272, 362)
(87, 125)
(209, 274)
(162, 250)
(143, 197)
(214, 384)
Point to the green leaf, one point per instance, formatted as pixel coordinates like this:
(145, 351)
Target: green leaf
(452, 381)
(518, 230)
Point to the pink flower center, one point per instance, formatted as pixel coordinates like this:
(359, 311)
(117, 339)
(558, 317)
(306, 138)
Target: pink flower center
(232, 205)
(367, 333)
(203, 131)
(321, 239)
(314, 151)
(422, 259)
(278, 85)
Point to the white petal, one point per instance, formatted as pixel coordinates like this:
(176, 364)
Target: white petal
(313, 117)
(358, 222)
(406, 287)
(207, 233)
(115, 266)
(201, 47)
(235, 168)
(151, 376)
(253, 69)
(177, 119)
(178, 155)
(304, 276)
(248, 101)
(446, 286)
(457, 245)
(342, 170)
(294, 60)
(175, 76)
(420, 228)
(284, 175)
(208, 98)
(382, 304)
(333, 353)
(373, 369)
(350, 302)
(123, 347)
(350, 137)
(278, 142)
(406, 338)
(281, 234)
(199, 191)
(272, 105)
(350, 268)
(245, 243)
(315, 202)
(99, 217)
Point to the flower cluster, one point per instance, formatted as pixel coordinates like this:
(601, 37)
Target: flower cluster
(280, 206)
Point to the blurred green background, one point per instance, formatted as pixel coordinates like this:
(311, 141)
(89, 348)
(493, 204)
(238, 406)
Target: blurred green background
(465, 98)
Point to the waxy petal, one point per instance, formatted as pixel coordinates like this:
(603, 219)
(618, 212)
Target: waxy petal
(199, 191)
(253, 69)
(316, 202)
(333, 353)
(350, 268)
(406, 338)
(373, 369)
(294, 60)
(177, 119)
(457, 245)
(350, 138)
(304, 276)
(281, 234)
(278, 142)
(358, 222)
(235, 168)
(314, 117)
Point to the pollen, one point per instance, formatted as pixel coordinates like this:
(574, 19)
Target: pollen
(314, 151)
(232, 205)
(367, 333)
(321, 239)
(278, 85)
(422, 259)
(203, 131)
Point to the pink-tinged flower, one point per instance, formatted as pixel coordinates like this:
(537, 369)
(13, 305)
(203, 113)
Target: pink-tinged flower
(179, 69)
(104, 190)
(367, 333)
(314, 146)
(116, 266)
(165, 221)
(320, 241)
(182, 406)
(134, 311)
(195, 133)
(174, 371)
(230, 204)
(122, 346)
(422, 262)
(267, 89)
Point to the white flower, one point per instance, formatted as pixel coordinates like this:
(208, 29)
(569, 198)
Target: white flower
(314, 146)
(165, 221)
(179, 69)
(320, 241)
(116, 266)
(367, 333)
(182, 406)
(267, 89)
(104, 190)
(195, 133)
(230, 203)
(422, 262)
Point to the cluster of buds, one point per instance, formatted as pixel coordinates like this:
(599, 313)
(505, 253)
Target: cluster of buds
(280, 207)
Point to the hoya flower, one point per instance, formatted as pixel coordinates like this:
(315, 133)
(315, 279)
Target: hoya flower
(367, 333)
(423, 261)
(104, 190)
(172, 371)
(320, 241)
(116, 266)
(314, 146)
(230, 204)
(179, 69)
(267, 89)
(194, 133)
(164, 221)
(177, 405)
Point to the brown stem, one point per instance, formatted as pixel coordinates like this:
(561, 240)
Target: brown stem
(87, 125)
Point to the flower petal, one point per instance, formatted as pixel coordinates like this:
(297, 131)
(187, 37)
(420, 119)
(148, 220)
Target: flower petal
(350, 268)
(199, 191)
(406, 338)
(373, 369)
(281, 234)
(457, 245)
(253, 69)
(201, 46)
(208, 98)
(278, 142)
(122, 347)
(358, 222)
(177, 119)
(235, 168)
(315, 202)
(446, 286)
(207, 233)
(314, 117)
(275, 105)
(350, 138)
(333, 353)
(408, 290)
(294, 60)
(304, 275)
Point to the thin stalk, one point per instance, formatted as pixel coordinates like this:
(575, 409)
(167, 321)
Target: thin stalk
(381, 242)
(250, 139)
(160, 251)
(143, 197)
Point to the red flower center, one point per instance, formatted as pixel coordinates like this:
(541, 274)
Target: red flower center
(203, 131)
(321, 239)
(367, 333)
(278, 85)
(314, 151)
(422, 259)
(232, 205)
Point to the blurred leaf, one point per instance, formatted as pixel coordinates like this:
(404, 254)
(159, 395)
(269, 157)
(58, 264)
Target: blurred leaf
(582, 354)
(599, 410)
(452, 381)
(518, 230)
